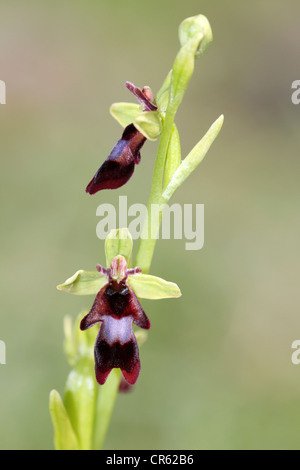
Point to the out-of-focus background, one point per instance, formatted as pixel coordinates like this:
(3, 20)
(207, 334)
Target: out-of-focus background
(216, 368)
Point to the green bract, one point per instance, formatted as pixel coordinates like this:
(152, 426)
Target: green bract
(64, 435)
(190, 163)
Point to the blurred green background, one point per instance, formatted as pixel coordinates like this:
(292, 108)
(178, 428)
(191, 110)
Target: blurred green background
(216, 368)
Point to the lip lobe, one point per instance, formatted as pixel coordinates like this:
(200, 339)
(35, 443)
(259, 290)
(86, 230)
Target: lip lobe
(118, 168)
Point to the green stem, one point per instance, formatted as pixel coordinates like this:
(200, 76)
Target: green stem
(147, 243)
(105, 405)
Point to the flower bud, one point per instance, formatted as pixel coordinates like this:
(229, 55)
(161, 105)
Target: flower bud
(190, 27)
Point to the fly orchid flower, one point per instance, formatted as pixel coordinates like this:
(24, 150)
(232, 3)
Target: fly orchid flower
(117, 307)
(119, 166)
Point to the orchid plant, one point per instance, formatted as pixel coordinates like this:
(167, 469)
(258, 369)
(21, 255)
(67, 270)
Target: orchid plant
(105, 359)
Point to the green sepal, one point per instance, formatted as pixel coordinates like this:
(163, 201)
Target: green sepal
(149, 124)
(146, 286)
(125, 113)
(84, 283)
(118, 243)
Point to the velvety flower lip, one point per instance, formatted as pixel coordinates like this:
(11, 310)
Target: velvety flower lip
(117, 307)
(119, 166)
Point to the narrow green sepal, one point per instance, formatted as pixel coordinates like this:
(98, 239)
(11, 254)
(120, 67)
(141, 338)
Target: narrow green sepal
(125, 113)
(118, 243)
(146, 286)
(148, 123)
(84, 283)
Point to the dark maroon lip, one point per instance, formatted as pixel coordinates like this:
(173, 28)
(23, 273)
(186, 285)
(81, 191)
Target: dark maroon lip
(119, 166)
(117, 308)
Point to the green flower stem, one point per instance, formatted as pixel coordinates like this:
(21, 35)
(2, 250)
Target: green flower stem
(104, 407)
(147, 243)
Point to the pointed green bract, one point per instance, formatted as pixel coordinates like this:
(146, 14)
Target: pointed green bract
(193, 159)
(149, 124)
(118, 243)
(146, 286)
(64, 435)
(84, 283)
(125, 113)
